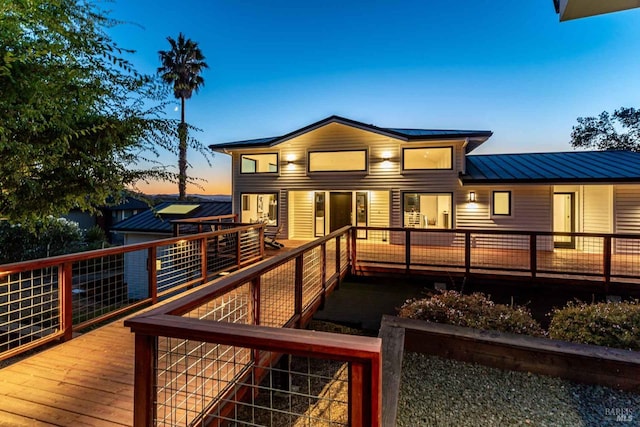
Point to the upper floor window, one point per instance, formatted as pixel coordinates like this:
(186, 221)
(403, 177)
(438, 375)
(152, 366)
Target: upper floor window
(501, 203)
(341, 161)
(427, 158)
(259, 163)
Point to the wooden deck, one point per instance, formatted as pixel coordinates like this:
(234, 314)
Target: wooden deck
(85, 381)
(89, 380)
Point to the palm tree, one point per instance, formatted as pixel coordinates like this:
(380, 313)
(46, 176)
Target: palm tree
(181, 66)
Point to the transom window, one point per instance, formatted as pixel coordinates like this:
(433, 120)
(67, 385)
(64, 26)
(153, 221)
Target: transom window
(259, 163)
(501, 203)
(427, 158)
(337, 161)
(427, 210)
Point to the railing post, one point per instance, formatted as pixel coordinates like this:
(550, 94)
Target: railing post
(338, 257)
(176, 229)
(65, 278)
(407, 249)
(152, 278)
(238, 249)
(360, 398)
(323, 273)
(533, 254)
(606, 262)
(144, 408)
(298, 290)
(261, 241)
(352, 254)
(254, 300)
(467, 253)
(204, 259)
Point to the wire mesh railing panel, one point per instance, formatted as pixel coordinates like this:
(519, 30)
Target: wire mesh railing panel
(625, 258)
(193, 376)
(311, 276)
(99, 287)
(500, 251)
(574, 255)
(379, 248)
(277, 295)
(232, 306)
(294, 391)
(29, 307)
(344, 251)
(437, 249)
(249, 244)
(177, 264)
(331, 258)
(219, 258)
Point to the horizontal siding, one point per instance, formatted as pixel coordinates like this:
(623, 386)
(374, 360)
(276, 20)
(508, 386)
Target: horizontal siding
(301, 215)
(627, 208)
(597, 209)
(530, 205)
(379, 209)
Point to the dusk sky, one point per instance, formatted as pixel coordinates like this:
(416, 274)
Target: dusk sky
(275, 66)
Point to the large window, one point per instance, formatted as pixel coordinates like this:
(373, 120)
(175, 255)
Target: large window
(337, 161)
(259, 163)
(427, 210)
(427, 158)
(260, 208)
(501, 203)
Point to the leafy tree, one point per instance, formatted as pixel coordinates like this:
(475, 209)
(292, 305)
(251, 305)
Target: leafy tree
(181, 67)
(75, 117)
(619, 131)
(46, 237)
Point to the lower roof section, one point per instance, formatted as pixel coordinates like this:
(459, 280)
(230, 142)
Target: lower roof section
(564, 167)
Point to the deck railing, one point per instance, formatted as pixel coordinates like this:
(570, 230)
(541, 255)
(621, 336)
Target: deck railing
(223, 353)
(469, 252)
(48, 299)
(204, 224)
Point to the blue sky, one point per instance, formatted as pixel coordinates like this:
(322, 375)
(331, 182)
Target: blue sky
(275, 66)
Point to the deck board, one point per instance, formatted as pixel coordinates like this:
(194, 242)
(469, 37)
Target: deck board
(86, 381)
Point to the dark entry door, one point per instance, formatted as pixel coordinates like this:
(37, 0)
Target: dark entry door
(339, 210)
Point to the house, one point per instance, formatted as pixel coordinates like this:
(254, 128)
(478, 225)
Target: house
(155, 224)
(110, 214)
(339, 171)
(573, 9)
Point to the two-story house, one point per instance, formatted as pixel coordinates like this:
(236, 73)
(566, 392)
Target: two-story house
(339, 171)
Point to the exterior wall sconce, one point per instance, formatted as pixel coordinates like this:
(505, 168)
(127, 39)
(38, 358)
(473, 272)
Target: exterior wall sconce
(386, 159)
(472, 196)
(289, 162)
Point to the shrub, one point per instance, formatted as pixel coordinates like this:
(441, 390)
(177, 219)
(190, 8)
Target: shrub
(608, 324)
(474, 311)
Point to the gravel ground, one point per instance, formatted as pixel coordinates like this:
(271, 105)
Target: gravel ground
(441, 392)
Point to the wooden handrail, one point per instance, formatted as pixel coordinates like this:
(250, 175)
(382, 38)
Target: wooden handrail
(18, 267)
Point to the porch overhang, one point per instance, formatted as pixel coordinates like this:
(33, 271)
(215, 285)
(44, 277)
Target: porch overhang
(574, 9)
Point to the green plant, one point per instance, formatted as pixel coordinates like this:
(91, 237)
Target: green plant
(474, 311)
(608, 324)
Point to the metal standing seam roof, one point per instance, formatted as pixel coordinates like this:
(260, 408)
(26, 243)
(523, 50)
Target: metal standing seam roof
(406, 134)
(575, 166)
(151, 221)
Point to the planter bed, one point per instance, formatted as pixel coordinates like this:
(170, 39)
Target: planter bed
(442, 392)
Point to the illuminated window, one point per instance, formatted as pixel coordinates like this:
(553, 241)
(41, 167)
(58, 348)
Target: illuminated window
(259, 163)
(501, 203)
(427, 210)
(340, 161)
(260, 208)
(427, 158)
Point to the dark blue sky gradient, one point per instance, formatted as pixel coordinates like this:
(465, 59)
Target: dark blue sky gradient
(505, 66)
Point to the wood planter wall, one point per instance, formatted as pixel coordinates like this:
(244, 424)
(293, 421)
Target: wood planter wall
(583, 363)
